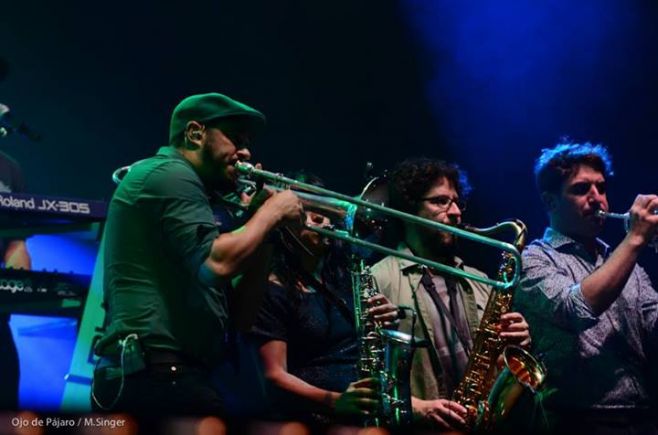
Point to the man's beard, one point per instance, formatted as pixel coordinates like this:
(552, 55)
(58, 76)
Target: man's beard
(440, 244)
(217, 177)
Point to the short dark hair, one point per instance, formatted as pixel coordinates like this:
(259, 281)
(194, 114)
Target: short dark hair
(557, 164)
(412, 178)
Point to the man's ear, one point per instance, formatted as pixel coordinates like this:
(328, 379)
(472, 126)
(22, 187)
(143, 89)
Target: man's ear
(195, 133)
(549, 200)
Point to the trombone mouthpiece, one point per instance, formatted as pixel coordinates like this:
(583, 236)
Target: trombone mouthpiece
(244, 167)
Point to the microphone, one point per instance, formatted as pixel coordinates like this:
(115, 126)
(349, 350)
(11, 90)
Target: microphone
(8, 125)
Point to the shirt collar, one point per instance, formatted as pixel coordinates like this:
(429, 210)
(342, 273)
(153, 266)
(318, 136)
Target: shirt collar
(409, 265)
(170, 151)
(558, 240)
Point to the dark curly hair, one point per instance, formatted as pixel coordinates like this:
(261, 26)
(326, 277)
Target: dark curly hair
(412, 178)
(557, 164)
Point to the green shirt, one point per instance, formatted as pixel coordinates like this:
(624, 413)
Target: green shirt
(159, 231)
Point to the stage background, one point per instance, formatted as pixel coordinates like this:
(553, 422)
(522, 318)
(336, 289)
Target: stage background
(486, 84)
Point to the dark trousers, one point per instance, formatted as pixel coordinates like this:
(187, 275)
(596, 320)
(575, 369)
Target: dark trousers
(160, 389)
(9, 369)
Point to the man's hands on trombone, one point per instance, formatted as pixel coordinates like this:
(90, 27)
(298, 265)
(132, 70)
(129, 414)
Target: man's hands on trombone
(284, 206)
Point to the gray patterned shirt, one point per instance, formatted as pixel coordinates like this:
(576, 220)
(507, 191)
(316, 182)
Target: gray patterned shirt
(593, 362)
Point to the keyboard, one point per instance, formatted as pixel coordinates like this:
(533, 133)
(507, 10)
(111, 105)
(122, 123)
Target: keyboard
(41, 292)
(24, 214)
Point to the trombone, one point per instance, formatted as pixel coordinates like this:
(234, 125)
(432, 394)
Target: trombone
(327, 199)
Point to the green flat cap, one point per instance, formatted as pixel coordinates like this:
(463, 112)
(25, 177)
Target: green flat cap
(207, 107)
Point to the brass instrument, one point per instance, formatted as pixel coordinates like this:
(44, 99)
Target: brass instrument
(384, 355)
(337, 200)
(626, 217)
(333, 208)
(488, 399)
(121, 172)
(345, 207)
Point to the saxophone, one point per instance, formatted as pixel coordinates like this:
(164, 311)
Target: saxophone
(384, 355)
(487, 398)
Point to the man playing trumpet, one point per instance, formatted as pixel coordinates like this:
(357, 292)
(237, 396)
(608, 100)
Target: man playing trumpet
(449, 309)
(593, 310)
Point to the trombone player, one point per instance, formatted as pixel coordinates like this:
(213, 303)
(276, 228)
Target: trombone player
(169, 269)
(449, 309)
(592, 309)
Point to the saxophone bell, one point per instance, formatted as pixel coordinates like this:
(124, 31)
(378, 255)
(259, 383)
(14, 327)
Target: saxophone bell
(489, 399)
(522, 372)
(525, 368)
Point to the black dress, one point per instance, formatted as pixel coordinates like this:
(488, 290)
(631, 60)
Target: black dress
(321, 341)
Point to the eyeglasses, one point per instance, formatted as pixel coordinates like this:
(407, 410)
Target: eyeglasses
(444, 202)
(582, 188)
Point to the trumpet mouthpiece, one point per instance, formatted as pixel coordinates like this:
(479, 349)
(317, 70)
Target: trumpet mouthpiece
(607, 215)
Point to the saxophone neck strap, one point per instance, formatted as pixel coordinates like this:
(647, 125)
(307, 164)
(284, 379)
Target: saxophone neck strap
(448, 313)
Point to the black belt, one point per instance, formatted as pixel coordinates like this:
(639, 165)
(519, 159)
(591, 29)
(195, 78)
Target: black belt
(154, 358)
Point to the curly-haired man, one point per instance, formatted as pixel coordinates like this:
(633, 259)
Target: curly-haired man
(449, 309)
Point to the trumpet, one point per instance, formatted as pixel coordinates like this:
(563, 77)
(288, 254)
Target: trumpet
(323, 198)
(626, 217)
